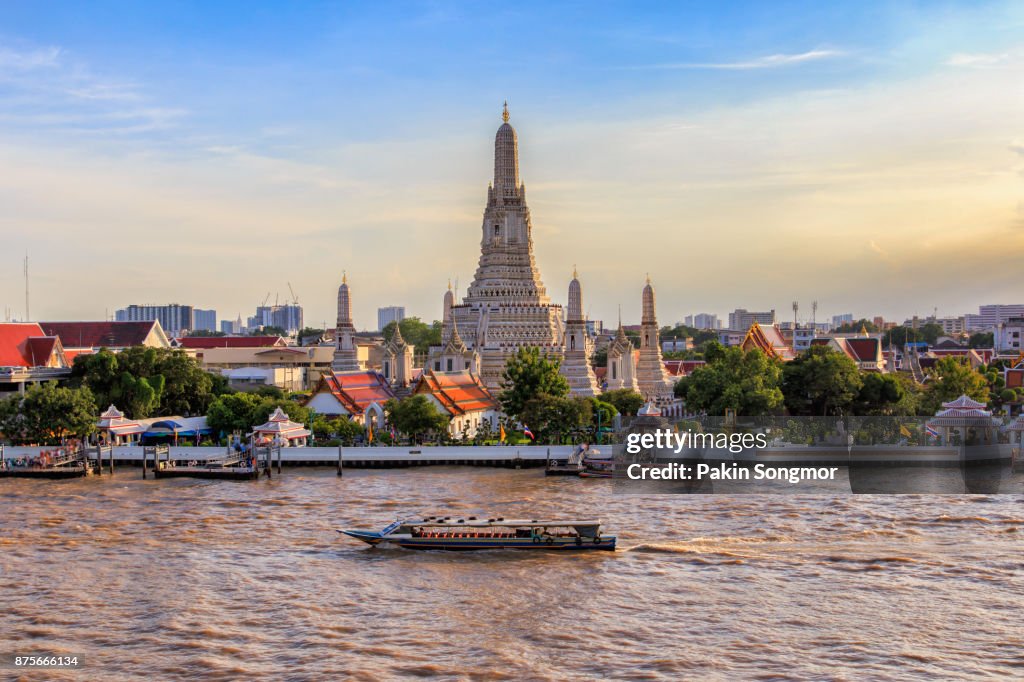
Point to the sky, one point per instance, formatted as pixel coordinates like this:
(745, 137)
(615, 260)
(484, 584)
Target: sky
(866, 156)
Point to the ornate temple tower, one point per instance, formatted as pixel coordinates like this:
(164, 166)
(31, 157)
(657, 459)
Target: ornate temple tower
(346, 357)
(506, 307)
(653, 381)
(397, 361)
(578, 345)
(620, 371)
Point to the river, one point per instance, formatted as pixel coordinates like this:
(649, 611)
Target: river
(185, 579)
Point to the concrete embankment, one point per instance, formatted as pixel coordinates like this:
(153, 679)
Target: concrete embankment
(361, 457)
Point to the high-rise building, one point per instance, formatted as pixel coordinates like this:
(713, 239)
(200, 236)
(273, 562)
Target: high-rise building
(389, 314)
(205, 320)
(990, 316)
(176, 319)
(703, 321)
(288, 317)
(840, 320)
(741, 318)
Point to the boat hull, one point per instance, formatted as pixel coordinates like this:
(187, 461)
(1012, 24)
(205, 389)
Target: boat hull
(606, 544)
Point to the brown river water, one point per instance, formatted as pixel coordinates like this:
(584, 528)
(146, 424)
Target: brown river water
(185, 579)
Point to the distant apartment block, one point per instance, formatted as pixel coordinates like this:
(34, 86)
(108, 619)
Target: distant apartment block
(990, 316)
(950, 325)
(389, 314)
(742, 318)
(840, 320)
(1008, 337)
(675, 345)
(204, 320)
(174, 318)
(594, 327)
(703, 321)
(288, 317)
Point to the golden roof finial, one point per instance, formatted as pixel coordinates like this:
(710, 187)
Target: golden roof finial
(344, 276)
(449, 284)
(575, 275)
(504, 113)
(648, 278)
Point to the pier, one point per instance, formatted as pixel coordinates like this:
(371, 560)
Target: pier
(508, 457)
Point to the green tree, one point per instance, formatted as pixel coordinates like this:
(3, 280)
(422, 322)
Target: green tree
(820, 381)
(416, 417)
(269, 330)
(296, 412)
(982, 340)
(178, 383)
(883, 394)
(900, 336)
(599, 358)
(624, 400)
(951, 378)
(745, 381)
(554, 418)
(205, 333)
(50, 414)
(416, 332)
(233, 412)
(529, 375)
(856, 327)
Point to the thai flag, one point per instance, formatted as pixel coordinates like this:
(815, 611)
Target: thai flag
(932, 432)
(528, 432)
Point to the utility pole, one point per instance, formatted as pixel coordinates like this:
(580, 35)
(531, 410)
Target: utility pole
(27, 314)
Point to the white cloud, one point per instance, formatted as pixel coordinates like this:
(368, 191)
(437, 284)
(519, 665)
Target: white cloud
(25, 60)
(767, 62)
(977, 59)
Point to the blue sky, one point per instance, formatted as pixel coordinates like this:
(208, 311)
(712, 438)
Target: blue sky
(863, 147)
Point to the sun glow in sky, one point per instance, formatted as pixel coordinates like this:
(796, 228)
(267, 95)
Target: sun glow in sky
(868, 157)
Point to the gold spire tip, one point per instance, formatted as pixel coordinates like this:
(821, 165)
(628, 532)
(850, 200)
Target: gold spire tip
(449, 284)
(504, 112)
(344, 277)
(575, 275)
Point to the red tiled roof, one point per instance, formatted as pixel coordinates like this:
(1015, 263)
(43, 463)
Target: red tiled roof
(99, 334)
(25, 345)
(769, 340)
(865, 350)
(458, 392)
(230, 341)
(356, 390)
(681, 368)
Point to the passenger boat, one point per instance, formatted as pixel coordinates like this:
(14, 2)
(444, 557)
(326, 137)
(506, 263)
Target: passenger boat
(435, 532)
(567, 467)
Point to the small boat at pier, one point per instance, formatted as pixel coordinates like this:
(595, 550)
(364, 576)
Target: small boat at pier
(435, 532)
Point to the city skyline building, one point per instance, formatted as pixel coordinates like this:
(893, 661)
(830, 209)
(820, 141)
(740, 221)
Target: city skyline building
(176, 319)
(389, 314)
(204, 320)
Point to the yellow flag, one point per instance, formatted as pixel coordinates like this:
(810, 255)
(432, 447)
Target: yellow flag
(501, 432)
(371, 431)
(905, 431)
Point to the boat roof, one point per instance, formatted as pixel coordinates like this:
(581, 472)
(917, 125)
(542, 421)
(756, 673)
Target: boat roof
(499, 521)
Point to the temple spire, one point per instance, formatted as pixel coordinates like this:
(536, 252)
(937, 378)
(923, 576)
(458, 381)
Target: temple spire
(504, 113)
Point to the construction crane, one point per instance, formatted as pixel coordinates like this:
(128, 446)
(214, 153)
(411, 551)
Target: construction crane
(295, 299)
(265, 299)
